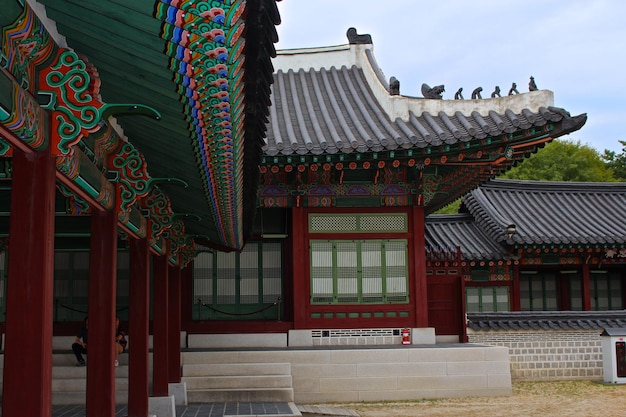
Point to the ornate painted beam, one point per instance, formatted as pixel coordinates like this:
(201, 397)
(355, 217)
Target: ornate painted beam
(69, 88)
(204, 43)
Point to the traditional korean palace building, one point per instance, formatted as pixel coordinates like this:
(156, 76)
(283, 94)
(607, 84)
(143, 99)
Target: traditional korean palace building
(161, 162)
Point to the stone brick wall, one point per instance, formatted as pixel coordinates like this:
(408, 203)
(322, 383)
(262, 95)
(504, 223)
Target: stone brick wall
(548, 355)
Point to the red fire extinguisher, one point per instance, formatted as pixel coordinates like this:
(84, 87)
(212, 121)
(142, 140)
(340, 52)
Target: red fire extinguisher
(406, 337)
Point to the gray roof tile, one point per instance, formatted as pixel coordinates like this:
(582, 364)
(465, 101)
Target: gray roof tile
(547, 320)
(334, 110)
(550, 212)
(543, 213)
(459, 230)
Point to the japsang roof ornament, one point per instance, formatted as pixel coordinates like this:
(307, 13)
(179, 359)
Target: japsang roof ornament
(335, 120)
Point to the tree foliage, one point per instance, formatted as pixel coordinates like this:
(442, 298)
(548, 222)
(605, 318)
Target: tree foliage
(451, 208)
(563, 160)
(616, 162)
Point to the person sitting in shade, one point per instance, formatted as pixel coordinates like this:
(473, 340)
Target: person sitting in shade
(79, 347)
(120, 341)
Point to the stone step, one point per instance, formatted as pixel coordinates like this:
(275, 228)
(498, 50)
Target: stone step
(199, 357)
(237, 382)
(223, 369)
(69, 385)
(240, 382)
(80, 372)
(65, 342)
(78, 397)
(241, 395)
(245, 340)
(80, 384)
(68, 359)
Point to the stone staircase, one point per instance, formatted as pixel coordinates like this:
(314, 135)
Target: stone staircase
(69, 382)
(209, 375)
(209, 379)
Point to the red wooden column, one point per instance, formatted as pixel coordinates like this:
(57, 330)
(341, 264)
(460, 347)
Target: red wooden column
(138, 312)
(27, 376)
(176, 276)
(300, 277)
(160, 325)
(420, 293)
(100, 399)
(186, 293)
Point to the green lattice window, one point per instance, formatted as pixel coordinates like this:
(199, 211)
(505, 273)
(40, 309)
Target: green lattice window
(359, 271)
(71, 285)
(239, 286)
(358, 223)
(606, 291)
(551, 291)
(487, 299)
(573, 281)
(538, 291)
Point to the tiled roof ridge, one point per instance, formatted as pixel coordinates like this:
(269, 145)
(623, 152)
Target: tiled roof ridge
(400, 106)
(546, 320)
(460, 217)
(486, 215)
(547, 315)
(461, 230)
(532, 186)
(552, 213)
(341, 104)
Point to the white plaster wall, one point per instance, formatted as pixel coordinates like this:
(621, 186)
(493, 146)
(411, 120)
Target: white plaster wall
(399, 106)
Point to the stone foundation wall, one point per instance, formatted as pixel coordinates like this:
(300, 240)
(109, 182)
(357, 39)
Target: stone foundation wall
(548, 355)
(384, 373)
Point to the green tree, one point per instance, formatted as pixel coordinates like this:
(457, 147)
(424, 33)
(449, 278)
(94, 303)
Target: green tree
(451, 208)
(616, 162)
(563, 160)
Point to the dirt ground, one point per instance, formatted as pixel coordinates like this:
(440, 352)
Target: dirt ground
(554, 399)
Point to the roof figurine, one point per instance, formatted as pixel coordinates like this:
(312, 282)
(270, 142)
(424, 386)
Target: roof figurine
(476, 93)
(394, 86)
(531, 85)
(356, 39)
(433, 92)
(459, 94)
(513, 89)
(496, 92)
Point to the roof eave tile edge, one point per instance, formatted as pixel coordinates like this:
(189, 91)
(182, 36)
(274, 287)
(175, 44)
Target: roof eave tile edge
(50, 25)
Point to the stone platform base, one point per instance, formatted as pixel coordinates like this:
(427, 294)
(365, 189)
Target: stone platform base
(379, 373)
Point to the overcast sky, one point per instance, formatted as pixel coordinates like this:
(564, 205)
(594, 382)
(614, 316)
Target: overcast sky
(575, 48)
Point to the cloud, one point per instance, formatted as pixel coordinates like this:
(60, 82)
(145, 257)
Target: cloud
(574, 48)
